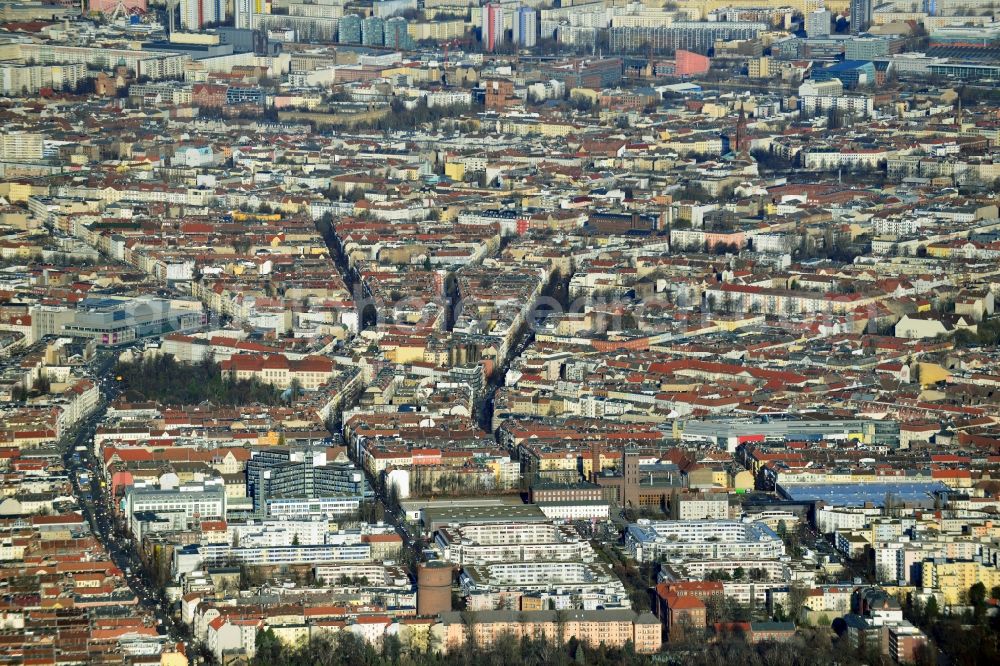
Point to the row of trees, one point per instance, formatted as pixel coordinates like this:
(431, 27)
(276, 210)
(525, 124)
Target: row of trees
(739, 573)
(347, 649)
(402, 118)
(42, 386)
(987, 334)
(809, 647)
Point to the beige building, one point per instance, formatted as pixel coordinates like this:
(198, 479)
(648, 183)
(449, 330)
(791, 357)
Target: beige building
(759, 68)
(437, 30)
(614, 628)
(953, 579)
(17, 146)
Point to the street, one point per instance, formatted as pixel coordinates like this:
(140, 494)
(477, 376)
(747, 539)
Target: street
(78, 457)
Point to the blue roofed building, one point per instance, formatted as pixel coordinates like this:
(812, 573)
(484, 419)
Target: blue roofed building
(852, 73)
(911, 492)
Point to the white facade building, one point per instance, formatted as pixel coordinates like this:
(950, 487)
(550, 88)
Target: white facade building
(647, 541)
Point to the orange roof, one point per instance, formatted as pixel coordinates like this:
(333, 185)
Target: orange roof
(684, 603)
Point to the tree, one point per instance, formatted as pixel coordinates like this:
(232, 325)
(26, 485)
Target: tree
(977, 599)
(470, 620)
(797, 595)
(268, 647)
(924, 654)
(392, 649)
(294, 389)
(931, 609)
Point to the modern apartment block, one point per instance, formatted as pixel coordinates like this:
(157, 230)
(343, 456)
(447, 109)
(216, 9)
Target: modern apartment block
(696, 36)
(648, 541)
(481, 543)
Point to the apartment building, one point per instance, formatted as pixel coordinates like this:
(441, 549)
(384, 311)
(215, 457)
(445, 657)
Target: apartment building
(648, 541)
(614, 628)
(954, 578)
(751, 298)
(16, 79)
(587, 585)
(21, 146)
(702, 506)
(157, 65)
(695, 36)
(483, 543)
(855, 105)
(199, 556)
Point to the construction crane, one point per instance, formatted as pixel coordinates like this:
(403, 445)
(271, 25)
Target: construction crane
(444, 64)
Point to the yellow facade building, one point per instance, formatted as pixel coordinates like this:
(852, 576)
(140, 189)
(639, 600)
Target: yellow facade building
(953, 579)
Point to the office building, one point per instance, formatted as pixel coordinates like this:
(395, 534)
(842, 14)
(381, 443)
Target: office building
(869, 48)
(245, 95)
(687, 63)
(308, 508)
(851, 73)
(180, 503)
(491, 25)
(286, 473)
(117, 321)
(965, 70)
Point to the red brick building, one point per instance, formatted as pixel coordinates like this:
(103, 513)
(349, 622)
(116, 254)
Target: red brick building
(208, 95)
(500, 94)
